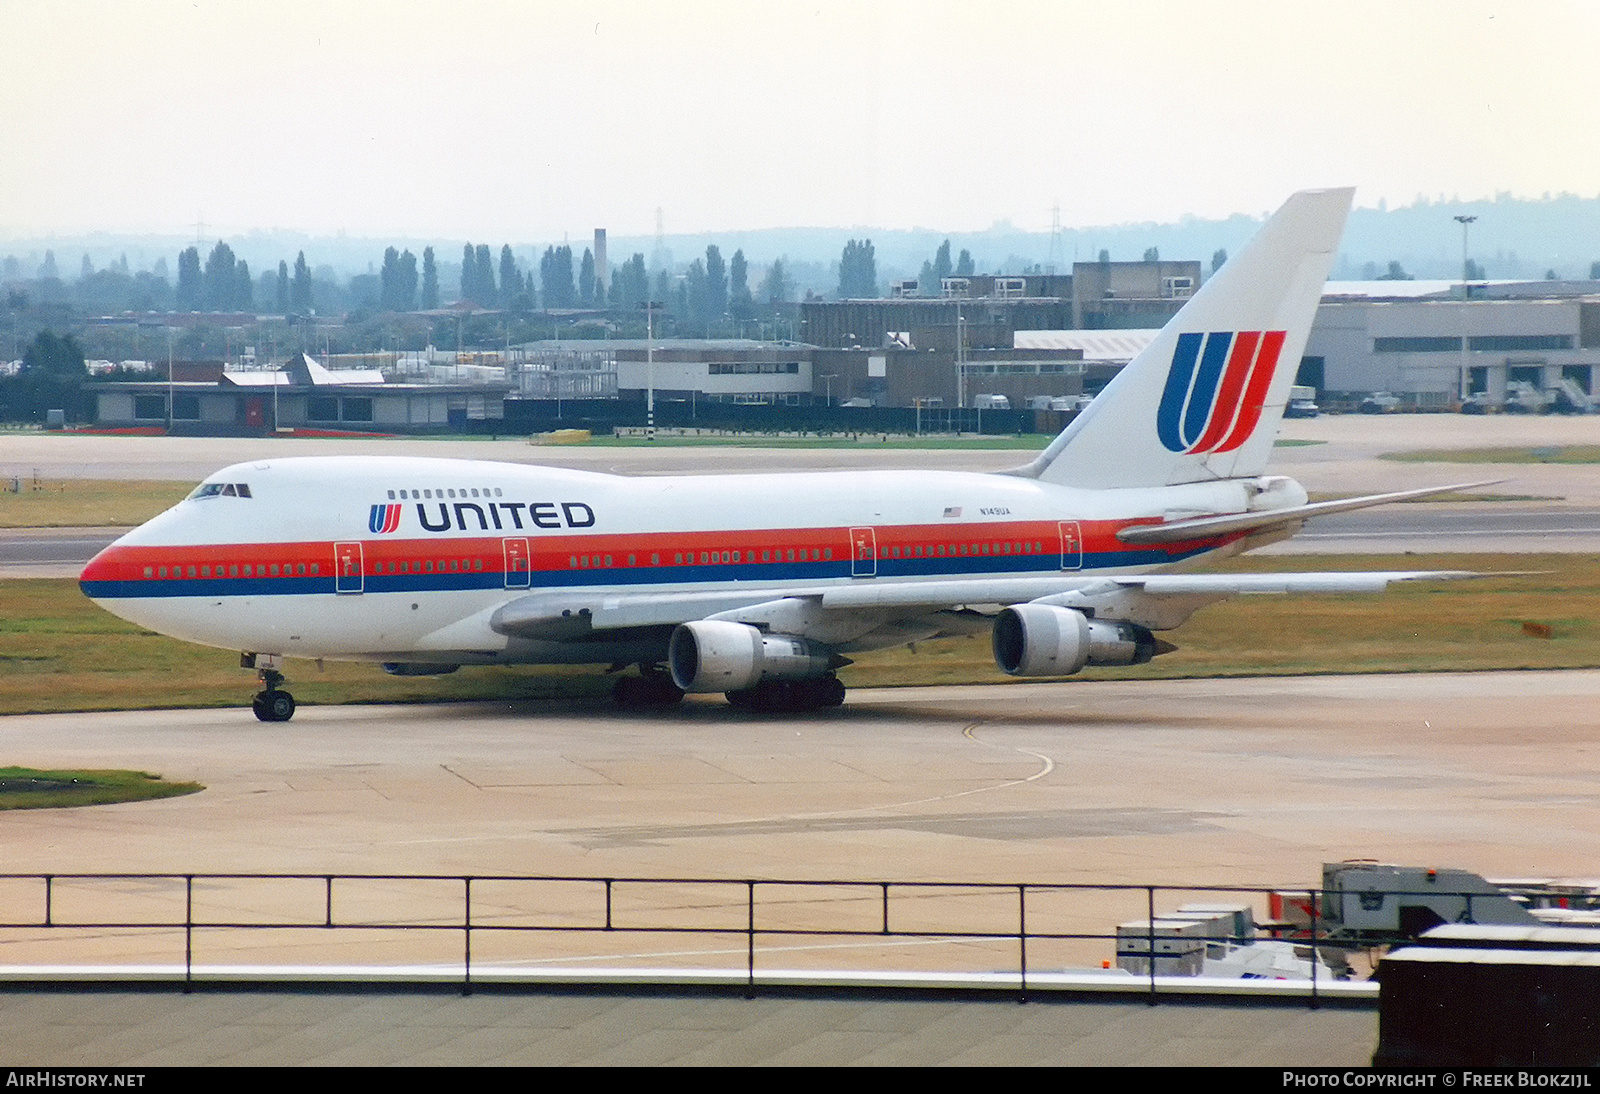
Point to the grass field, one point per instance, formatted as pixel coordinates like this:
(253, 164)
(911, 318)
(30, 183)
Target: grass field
(1028, 442)
(87, 503)
(108, 503)
(58, 652)
(28, 788)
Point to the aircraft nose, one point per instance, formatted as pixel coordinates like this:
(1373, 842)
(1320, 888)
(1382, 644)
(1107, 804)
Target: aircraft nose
(110, 565)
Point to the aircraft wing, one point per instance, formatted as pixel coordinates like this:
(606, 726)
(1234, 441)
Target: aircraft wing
(1180, 530)
(1150, 599)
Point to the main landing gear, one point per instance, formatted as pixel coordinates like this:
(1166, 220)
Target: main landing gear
(272, 704)
(652, 688)
(790, 696)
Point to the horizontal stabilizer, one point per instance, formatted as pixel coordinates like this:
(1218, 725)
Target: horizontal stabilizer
(1180, 530)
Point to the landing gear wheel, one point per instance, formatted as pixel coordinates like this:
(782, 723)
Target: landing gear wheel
(652, 690)
(744, 700)
(790, 696)
(272, 703)
(273, 706)
(830, 692)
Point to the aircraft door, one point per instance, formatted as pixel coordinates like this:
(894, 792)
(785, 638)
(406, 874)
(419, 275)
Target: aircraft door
(348, 568)
(1071, 545)
(518, 571)
(863, 552)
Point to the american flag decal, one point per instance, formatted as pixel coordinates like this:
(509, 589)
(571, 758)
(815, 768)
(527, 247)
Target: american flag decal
(952, 511)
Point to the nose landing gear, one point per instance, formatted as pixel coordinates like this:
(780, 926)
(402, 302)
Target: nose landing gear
(272, 704)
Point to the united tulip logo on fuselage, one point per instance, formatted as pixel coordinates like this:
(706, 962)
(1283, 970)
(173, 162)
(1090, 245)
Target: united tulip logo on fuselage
(496, 516)
(384, 518)
(1213, 398)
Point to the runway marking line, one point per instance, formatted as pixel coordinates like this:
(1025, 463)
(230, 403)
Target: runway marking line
(1048, 765)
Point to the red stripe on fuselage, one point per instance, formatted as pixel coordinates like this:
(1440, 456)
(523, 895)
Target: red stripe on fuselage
(485, 554)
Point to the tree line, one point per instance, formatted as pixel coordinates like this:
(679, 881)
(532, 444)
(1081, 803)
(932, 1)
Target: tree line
(52, 376)
(710, 290)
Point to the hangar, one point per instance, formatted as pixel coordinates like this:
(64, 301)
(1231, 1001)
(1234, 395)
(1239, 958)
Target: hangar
(302, 394)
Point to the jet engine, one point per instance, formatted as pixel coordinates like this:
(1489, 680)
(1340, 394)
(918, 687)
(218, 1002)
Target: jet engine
(1043, 640)
(712, 655)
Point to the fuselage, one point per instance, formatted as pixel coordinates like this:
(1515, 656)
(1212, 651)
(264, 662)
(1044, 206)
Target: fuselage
(388, 558)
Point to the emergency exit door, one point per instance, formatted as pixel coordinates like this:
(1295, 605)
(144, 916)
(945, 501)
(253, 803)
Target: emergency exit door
(1071, 545)
(348, 568)
(863, 552)
(518, 572)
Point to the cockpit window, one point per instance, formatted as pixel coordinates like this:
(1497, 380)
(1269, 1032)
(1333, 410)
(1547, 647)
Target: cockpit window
(220, 489)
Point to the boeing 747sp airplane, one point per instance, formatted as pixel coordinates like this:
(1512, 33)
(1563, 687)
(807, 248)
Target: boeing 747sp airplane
(759, 586)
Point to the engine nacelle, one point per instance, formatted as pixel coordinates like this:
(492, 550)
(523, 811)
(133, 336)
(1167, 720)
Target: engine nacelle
(1043, 640)
(712, 655)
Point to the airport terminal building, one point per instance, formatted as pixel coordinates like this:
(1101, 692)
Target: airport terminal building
(1433, 348)
(1423, 342)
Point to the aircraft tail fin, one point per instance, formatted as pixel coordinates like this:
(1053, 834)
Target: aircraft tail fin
(1204, 399)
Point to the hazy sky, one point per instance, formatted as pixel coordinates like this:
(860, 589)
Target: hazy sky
(524, 121)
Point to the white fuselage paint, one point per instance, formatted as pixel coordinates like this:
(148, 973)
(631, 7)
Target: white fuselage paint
(632, 528)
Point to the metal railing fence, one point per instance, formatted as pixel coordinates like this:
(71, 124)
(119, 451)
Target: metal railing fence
(752, 909)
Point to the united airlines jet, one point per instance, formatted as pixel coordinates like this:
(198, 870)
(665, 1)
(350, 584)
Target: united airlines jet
(760, 586)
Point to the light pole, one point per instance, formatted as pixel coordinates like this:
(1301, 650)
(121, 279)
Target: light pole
(650, 308)
(961, 359)
(1466, 269)
(1466, 296)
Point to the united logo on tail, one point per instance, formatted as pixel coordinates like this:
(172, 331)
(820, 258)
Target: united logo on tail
(1215, 389)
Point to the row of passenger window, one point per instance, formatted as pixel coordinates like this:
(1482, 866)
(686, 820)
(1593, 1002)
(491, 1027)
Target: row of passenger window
(462, 492)
(244, 569)
(598, 561)
(960, 550)
(302, 569)
(429, 566)
(707, 558)
(813, 554)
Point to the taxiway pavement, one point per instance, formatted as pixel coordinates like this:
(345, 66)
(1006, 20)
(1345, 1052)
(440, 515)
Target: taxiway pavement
(1251, 782)
(1248, 782)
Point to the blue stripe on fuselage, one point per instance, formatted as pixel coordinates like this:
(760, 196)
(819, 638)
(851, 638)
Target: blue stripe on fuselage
(713, 575)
